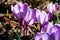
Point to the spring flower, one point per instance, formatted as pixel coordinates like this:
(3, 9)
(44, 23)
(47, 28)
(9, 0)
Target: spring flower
(19, 10)
(51, 33)
(42, 17)
(52, 7)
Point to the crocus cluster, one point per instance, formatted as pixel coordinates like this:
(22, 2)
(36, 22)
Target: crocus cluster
(24, 14)
(49, 30)
(27, 16)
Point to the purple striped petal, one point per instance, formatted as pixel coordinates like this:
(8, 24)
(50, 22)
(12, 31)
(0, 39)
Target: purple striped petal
(37, 14)
(41, 36)
(34, 13)
(23, 11)
(47, 27)
(33, 18)
(52, 7)
(54, 29)
(15, 9)
(31, 21)
(20, 6)
(28, 16)
(25, 7)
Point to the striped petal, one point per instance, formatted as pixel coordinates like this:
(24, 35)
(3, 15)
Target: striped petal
(41, 36)
(28, 16)
(52, 7)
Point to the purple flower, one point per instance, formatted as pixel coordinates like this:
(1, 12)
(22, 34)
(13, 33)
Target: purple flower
(52, 7)
(42, 17)
(19, 10)
(52, 33)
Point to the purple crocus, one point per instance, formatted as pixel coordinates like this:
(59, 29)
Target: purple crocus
(52, 33)
(42, 17)
(52, 7)
(19, 10)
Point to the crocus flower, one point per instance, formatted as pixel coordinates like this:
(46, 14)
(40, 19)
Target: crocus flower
(19, 10)
(52, 33)
(42, 17)
(52, 7)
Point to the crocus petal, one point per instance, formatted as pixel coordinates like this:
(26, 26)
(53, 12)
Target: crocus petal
(20, 6)
(47, 27)
(34, 13)
(37, 14)
(41, 36)
(31, 22)
(15, 9)
(25, 6)
(45, 36)
(47, 18)
(23, 14)
(55, 6)
(57, 35)
(55, 31)
(33, 19)
(28, 16)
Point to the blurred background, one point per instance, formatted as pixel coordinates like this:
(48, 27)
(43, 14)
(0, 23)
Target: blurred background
(9, 26)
